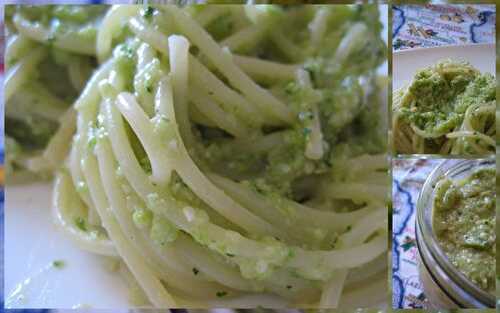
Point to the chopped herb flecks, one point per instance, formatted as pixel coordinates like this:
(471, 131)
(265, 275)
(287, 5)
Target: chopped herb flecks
(58, 264)
(221, 294)
(80, 223)
(148, 12)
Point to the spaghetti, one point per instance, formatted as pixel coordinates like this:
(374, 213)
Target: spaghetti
(225, 163)
(449, 108)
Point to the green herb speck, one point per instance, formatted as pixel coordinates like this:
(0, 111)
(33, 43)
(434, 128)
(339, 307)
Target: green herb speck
(80, 223)
(221, 294)
(59, 264)
(148, 12)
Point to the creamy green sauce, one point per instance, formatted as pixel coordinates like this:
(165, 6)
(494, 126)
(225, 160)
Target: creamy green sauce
(442, 93)
(464, 223)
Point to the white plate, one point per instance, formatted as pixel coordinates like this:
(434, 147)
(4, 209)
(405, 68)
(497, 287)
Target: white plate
(407, 62)
(33, 242)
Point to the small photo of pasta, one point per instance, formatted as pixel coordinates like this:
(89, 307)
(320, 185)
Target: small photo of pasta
(444, 87)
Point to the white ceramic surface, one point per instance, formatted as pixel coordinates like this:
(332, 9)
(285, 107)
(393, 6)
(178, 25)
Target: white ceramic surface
(407, 62)
(33, 242)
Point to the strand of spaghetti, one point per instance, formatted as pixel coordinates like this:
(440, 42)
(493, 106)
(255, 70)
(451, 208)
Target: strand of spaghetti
(358, 234)
(155, 150)
(179, 58)
(319, 25)
(200, 118)
(366, 271)
(210, 13)
(148, 34)
(21, 71)
(223, 61)
(213, 112)
(281, 219)
(472, 134)
(17, 47)
(124, 153)
(65, 199)
(463, 141)
(244, 40)
(353, 38)
(332, 290)
(300, 214)
(68, 41)
(257, 144)
(90, 95)
(88, 99)
(307, 263)
(234, 102)
(79, 72)
(367, 163)
(145, 55)
(206, 263)
(145, 82)
(26, 29)
(199, 183)
(78, 181)
(364, 228)
(446, 147)
(291, 51)
(314, 142)
(474, 111)
(58, 146)
(263, 70)
(110, 25)
(147, 280)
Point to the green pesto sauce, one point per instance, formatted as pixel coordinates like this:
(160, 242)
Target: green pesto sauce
(464, 223)
(441, 94)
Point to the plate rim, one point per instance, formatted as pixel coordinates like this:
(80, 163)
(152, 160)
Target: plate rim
(447, 47)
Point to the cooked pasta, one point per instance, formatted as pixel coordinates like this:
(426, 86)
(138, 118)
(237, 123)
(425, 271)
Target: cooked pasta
(228, 156)
(448, 108)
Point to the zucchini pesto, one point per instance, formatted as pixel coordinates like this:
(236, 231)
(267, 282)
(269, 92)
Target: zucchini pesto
(464, 223)
(230, 156)
(448, 108)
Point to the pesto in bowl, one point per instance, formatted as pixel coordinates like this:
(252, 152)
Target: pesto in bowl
(464, 225)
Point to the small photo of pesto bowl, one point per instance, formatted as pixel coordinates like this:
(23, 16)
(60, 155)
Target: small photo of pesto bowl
(456, 234)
